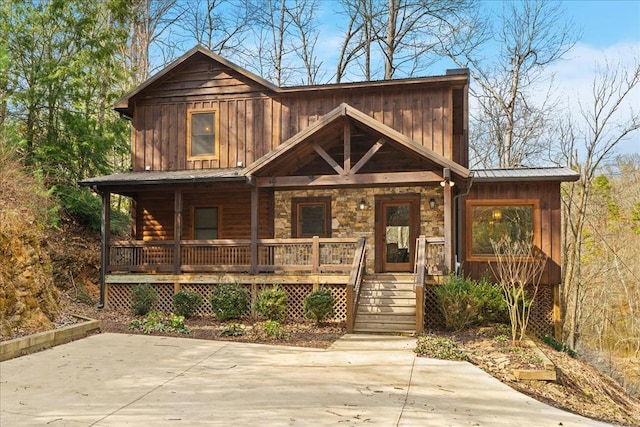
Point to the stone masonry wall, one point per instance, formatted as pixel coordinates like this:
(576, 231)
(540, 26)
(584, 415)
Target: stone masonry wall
(349, 221)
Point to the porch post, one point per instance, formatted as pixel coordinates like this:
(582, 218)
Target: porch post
(105, 224)
(254, 229)
(448, 225)
(177, 231)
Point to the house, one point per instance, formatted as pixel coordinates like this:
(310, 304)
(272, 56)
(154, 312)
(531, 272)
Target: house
(362, 188)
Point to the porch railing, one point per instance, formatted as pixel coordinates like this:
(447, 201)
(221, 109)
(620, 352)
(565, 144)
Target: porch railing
(314, 255)
(358, 269)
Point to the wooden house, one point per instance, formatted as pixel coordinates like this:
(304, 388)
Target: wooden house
(362, 188)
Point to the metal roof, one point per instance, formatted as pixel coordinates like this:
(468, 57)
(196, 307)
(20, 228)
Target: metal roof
(167, 177)
(525, 174)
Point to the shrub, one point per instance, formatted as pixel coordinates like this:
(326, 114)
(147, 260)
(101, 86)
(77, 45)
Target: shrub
(272, 303)
(143, 298)
(465, 302)
(233, 330)
(186, 302)
(274, 329)
(318, 305)
(156, 321)
(559, 346)
(229, 301)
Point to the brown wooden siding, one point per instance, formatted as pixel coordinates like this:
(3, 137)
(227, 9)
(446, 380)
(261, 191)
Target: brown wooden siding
(548, 222)
(154, 219)
(251, 123)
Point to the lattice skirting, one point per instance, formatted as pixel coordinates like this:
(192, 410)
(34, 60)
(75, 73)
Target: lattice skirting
(541, 320)
(119, 297)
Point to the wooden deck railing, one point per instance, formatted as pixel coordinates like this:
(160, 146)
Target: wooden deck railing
(314, 255)
(358, 269)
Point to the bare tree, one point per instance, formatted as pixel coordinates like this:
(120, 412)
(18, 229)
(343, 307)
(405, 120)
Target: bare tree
(302, 15)
(519, 266)
(514, 91)
(150, 19)
(219, 25)
(403, 33)
(285, 36)
(585, 150)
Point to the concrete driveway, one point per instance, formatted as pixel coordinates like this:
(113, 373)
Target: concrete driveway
(115, 380)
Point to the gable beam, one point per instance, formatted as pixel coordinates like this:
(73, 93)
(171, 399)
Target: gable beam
(367, 156)
(327, 158)
(420, 177)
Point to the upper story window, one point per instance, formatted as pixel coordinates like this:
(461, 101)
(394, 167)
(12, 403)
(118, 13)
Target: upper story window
(311, 216)
(202, 134)
(493, 220)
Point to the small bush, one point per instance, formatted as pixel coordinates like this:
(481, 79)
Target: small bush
(274, 329)
(229, 301)
(186, 302)
(156, 321)
(143, 298)
(465, 302)
(233, 330)
(272, 303)
(318, 305)
(439, 348)
(559, 346)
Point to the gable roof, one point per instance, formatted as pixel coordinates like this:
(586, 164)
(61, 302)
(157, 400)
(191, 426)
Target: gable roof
(346, 111)
(122, 105)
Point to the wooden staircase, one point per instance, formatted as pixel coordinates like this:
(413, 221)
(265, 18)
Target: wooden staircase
(387, 304)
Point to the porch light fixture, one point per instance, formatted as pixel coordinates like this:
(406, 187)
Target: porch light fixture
(362, 205)
(446, 178)
(432, 203)
(496, 214)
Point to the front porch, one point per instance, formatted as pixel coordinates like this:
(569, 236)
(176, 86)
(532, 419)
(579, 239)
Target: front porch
(299, 266)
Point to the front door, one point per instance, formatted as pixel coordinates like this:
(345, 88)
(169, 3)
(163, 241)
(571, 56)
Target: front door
(397, 224)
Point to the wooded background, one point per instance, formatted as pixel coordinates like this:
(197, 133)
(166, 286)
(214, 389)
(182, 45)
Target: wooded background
(64, 62)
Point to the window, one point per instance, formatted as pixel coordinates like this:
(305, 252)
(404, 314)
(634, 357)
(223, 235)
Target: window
(202, 131)
(311, 217)
(489, 221)
(205, 223)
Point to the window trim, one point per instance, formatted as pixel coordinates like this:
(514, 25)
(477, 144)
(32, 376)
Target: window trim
(193, 219)
(470, 204)
(216, 130)
(297, 202)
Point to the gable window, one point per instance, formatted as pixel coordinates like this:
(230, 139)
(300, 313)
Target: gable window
(205, 223)
(492, 221)
(202, 134)
(311, 216)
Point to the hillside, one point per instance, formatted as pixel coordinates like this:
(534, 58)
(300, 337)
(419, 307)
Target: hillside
(42, 254)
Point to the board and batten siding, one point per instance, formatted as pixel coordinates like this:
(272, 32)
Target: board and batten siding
(253, 120)
(155, 219)
(548, 222)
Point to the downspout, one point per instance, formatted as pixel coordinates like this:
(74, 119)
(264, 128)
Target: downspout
(457, 224)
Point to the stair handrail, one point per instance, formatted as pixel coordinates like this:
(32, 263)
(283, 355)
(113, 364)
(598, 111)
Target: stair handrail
(418, 286)
(355, 279)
